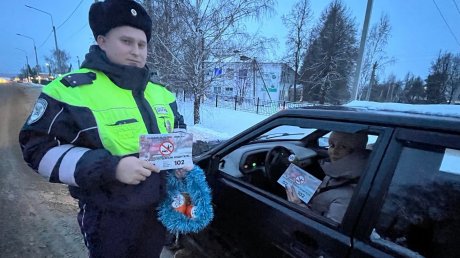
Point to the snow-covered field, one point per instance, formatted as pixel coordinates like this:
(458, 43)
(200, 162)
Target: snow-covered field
(217, 123)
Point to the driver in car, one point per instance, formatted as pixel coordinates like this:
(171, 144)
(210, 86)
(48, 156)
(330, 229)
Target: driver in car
(347, 160)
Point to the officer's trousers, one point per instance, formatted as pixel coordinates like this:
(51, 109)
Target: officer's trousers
(121, 233)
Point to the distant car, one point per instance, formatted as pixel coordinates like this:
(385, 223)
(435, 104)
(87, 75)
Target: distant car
(405, 204)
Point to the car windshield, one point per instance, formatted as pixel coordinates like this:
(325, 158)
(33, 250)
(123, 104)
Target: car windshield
(285, 132)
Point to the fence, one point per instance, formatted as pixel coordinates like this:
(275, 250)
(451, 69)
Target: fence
(258, 106)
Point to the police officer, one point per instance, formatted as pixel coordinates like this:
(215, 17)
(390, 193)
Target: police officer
(84, 132)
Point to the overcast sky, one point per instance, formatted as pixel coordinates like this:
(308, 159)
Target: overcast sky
(419, 31)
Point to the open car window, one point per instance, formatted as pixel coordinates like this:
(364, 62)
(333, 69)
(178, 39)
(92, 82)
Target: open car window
(262, 162)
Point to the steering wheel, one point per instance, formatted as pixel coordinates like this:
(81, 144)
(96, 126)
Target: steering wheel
(276, 162)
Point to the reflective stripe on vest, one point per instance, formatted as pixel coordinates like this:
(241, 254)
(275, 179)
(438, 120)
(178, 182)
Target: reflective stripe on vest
(117, 115)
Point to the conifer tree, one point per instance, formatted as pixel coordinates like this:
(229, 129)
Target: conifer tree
(328, 65)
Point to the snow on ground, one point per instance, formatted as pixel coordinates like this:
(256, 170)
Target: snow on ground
(217, 124)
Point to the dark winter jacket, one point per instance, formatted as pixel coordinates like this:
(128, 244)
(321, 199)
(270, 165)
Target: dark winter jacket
(84, 122)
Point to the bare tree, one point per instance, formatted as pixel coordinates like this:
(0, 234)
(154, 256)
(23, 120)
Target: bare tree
(64, 63)
(375, 58)
(393, 88)
(437, 82)
(296, 22)
(191, 37)
(454, 80)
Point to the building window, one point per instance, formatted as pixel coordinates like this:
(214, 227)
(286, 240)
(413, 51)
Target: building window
(243, 74)
(230, 73)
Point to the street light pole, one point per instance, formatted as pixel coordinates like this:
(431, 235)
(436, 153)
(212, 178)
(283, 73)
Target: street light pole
(55, 38)
(254, 78)
(354, 93)
(253, 62)
(27, 62)
(35, 49)
(49, 70)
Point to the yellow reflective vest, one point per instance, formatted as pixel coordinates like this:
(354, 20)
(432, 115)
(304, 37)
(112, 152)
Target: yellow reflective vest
(82, 125)
(118, 117)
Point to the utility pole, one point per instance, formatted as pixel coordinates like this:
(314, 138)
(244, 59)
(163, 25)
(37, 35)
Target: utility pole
(254, 78)
(354, 93)
(254, 63)
(49, 69)
(78, 60)
(58, 54)
(263, 81)
(35, 50)
(27, 63)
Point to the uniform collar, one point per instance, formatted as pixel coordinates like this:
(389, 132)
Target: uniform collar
(124, 76)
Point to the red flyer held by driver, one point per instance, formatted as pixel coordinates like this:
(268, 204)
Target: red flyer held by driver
(167, 151)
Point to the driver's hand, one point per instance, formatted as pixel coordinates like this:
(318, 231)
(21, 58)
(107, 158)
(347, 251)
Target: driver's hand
(292, 195)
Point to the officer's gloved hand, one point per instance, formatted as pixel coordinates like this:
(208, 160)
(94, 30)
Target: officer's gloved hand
(131, 170)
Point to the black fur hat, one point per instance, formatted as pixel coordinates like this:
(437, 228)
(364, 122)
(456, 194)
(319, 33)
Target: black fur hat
(104, 16)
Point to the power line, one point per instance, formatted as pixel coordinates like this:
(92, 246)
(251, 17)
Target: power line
(447, 24)
(456, 6)
(70, 14)
(78, 31)
(49, 35)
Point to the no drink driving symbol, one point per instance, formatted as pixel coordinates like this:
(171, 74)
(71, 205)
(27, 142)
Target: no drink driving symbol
(299, 180)
(166, 148)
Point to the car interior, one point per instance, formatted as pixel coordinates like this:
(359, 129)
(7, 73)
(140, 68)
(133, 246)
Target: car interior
(264, 159)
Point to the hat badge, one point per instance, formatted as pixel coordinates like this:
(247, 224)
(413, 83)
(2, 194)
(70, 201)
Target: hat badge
(133, 12)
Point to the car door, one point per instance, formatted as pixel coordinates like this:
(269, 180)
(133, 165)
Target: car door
(261, 224)
(413, 209)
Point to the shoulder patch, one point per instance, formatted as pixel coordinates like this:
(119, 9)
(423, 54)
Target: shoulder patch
(77, 79)
(38, 111)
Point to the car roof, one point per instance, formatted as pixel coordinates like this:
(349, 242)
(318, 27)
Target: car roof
(437, 121)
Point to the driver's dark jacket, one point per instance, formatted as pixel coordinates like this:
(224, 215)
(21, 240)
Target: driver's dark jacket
(86, 121)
